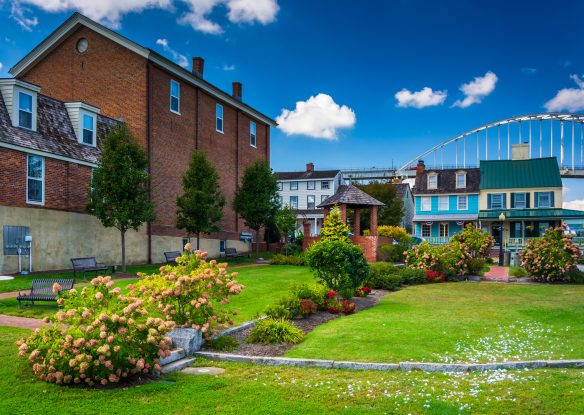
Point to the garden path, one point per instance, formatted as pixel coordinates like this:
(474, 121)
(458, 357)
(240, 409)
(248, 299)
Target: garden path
(496, 273)
(22, 322)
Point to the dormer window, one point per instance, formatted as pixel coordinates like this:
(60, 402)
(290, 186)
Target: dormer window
(25, 110)
(88, 129)
(432, 181)
(461, 180)
(84, 121)
(21, 102)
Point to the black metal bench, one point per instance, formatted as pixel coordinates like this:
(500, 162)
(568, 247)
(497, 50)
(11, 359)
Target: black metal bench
(85, 265)
(42, 290)
(232, 253)
(172, 256)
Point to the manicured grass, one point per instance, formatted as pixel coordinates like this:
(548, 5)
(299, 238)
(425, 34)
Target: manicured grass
(429, 322)
(246, 389)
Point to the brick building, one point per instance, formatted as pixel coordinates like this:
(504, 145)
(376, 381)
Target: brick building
(170, 111)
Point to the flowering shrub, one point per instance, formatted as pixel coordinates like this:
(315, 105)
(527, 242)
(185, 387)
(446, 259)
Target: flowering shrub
(435, 276)
(331, 294)
(363, 292)
(548, 258)
(307, 307)
(99, 337)
(192, 293)
(348, 306)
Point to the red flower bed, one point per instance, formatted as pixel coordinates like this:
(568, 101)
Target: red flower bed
(435, 276)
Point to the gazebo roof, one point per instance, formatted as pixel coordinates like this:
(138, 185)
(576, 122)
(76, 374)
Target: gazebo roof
(350, 196)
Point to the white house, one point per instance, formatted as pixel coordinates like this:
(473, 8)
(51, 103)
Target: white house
(305, 190)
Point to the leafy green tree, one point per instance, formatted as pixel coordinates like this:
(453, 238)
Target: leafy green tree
(286, 222)
(200, 207)
(119, 196)
(386, 193)
(256, 199)
(333, 228)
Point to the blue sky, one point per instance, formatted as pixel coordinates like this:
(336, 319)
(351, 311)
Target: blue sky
(345, 61)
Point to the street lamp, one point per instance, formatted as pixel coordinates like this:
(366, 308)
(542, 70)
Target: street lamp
(501, 228)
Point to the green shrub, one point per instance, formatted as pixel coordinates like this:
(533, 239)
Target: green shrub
(334, 228)
(575, 276)
(280, 259)
(314, 292)
(278, 311)
(292, 304)
(518, 272)
(412, 276)
(341, 266)
(223, 343)
(292, 248)
(392, 253)
(272, 331)
(475, 266)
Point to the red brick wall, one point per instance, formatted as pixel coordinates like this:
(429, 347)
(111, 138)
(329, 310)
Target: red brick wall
(368, 243)
(66, 183)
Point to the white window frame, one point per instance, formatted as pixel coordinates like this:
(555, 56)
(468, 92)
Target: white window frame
(295, 182)
(219, 109)
(253, 134)
(82, 115)
(308, 202)
(323, 198)
(524, 201)
(459, 199)
(463, 175)
(428, 228)
(173, 82)
(493, 195)
(310, 185)
(280, 186)
(41, 179)
(441, 199)
(32, 110)
(292, 204)
(325, 185)
(443, 226)
(549, 200)
(432, 184)
(423, 206)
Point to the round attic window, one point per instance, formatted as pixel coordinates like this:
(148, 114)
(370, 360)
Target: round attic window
(82, 45)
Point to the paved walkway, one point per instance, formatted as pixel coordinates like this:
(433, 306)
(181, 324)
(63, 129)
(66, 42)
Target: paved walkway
(22, 322)
(497, 273)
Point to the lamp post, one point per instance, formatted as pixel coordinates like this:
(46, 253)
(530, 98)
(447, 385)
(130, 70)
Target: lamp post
(501, 230)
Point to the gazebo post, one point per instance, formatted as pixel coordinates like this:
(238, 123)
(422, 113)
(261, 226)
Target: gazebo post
(373, 220)
(357, 222)
(343, 209)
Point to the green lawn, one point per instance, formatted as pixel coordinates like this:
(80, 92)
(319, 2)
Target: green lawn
(247, 389)
(457, 322)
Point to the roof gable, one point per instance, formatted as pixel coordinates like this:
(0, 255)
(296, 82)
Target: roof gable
(515, 174)
(351, 196)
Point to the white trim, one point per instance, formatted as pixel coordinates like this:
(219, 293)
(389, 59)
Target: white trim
(33, 109)
(42, 180)
(458, 202)
(447, 202)
(459, 173)
(432, 175)
(46, 154)
(222, 130)
(82, 114)
(422, 199)
(172, 81)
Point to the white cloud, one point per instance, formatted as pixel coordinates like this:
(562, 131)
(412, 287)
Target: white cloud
(1, 66)
(197, 16)
(19, 13)
(477, 89)
(250, 11)
(426, 97)
(571, 99)
(318, 117)
(177, 57)
(574, 204)
(228, 67)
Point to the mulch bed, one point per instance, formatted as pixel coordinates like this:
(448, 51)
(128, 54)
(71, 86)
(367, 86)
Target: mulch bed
(304, 324)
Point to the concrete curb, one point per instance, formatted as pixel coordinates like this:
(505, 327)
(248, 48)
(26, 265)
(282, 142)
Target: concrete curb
(403, 366)
(235, 329)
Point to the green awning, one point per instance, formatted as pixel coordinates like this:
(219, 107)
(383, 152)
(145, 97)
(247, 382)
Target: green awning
(511, 214)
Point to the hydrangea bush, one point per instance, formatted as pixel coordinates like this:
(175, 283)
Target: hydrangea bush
(193, 293)
(99, 337)
(548, 258)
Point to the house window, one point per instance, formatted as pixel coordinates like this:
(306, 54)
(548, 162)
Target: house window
(323, 198)
(463, 202)
(310, 201)
(519, 201)
(175, 96)
(222, 246)
(325, 185)
(497, 201)
(311, 185)
(443, 230)
(544, 199)
(294, 202)
(88, 129)
(25, 110)
(426, 230)
(432, 181)
(219, 118)
(280, 186)
(443, 203)
(252, 134)
(35, 182)
(460, 180)
(426, 204)
(293, 185)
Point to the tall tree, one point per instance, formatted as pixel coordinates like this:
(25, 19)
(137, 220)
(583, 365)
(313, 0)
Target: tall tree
(385, 192)
(286, 222)
(200, 207)
(256, 199)
(119, 194)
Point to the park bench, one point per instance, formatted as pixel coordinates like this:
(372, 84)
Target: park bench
(85, 265)
(42, 290)
(172, 256)
(232, 253)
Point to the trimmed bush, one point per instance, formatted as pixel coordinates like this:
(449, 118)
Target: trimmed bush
(575, 276)
(392, 253)
(278, 311)
(223, 344)
(271, 331)
(280, 259)
(314, 292)
(383, 276)
(412, 276)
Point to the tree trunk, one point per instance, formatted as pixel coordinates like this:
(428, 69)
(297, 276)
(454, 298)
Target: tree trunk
(123, 251)
(257, 243)
(198, 239)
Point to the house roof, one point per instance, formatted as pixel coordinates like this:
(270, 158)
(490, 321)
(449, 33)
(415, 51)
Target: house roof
(307, 175)
(514, 174)
(550, 213)
(447, 181)
(55, 136)
(401, 189)
(76, 20)
(351, 196)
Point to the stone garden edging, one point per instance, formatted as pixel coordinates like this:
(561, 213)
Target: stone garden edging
(403, 366)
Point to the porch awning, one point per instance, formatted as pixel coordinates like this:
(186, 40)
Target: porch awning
(446, 217)
(532, 214)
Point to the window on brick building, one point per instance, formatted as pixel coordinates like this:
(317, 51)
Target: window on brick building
(252, 134)
(219, 118)
(88, 129)
(175, 96)
(310, 202)
(35, 183)
(25, 110)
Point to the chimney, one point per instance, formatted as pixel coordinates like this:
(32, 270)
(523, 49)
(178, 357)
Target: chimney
(198, 67)
(236, 90)
(421, 167)
(309, 167)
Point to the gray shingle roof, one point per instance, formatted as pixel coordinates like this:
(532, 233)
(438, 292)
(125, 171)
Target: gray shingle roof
(54, 133)
(307, 175)
(447, 181)
(352, 196)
